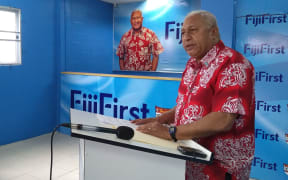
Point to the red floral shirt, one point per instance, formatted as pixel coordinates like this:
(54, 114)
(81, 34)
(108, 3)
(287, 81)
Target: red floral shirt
(136, 49)
(223, 81)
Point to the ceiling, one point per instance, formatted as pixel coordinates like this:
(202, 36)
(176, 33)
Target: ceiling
(121, 1)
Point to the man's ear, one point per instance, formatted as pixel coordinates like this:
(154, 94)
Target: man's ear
(214, 34)
(214, 31)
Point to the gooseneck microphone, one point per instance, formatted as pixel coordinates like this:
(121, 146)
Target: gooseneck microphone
(122, 132)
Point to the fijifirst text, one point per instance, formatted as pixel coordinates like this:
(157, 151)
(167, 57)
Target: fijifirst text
(265, 19)
(99, 104)
(255, 49)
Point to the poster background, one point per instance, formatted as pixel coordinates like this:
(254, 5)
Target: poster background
(271, 125)
(130, 92)
(156, 14)
(271, 81)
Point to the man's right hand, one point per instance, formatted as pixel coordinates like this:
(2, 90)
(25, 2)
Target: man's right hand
(144, 121)
(164, 118)
(121, 63)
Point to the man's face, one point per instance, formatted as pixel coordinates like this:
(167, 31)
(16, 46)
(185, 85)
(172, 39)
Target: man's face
(136, 20)
(196, 37)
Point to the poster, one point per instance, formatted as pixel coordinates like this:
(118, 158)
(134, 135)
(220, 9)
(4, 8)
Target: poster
(262, 37)
(165, 18)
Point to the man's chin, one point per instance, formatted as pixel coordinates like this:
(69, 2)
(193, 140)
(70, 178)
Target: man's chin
(190, 52)
(137, 29)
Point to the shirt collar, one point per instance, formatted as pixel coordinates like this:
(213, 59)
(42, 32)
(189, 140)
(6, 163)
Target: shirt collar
(209, 57)
(140, 31)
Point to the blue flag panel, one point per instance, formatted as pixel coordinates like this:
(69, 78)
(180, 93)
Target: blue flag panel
(262, 37)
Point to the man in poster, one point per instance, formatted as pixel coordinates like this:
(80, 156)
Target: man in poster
(137, 45)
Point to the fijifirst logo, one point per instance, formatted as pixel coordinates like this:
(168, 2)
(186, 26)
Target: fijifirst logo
(267, 107)
(261, 134)
(268, 165)
(263, 164)
(262, 76)
(285, 168)
(104, 103)
(265, 19)
(173, 30)
(260, 49)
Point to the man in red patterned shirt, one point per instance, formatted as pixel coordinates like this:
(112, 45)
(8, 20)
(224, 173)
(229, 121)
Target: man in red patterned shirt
(215, 103)
(137, 45)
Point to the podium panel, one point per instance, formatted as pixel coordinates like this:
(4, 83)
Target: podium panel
(104, 156)
(105, 162)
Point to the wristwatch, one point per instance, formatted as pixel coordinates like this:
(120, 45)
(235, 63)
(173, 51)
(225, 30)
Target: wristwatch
(172, 132)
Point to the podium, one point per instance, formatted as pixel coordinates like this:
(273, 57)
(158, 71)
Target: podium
(103, 156)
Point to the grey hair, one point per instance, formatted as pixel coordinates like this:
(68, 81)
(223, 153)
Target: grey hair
(209, 18)
(136, 10)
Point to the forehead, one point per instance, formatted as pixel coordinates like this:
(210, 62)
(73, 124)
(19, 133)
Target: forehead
(194, 21)
(136, 14)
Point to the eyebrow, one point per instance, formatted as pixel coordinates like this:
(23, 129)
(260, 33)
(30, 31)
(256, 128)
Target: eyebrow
(192, 26)
(136, 16)
(189, 27)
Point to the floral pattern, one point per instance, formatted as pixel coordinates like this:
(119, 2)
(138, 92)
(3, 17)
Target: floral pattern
(136, 49)
(236, 155)
(192, 113)
(233, 106)
(223, 81)
(234, 75)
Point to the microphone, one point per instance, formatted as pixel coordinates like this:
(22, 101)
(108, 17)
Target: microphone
(122, 132)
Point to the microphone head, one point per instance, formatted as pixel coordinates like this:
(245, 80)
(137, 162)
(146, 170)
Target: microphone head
(124, 132)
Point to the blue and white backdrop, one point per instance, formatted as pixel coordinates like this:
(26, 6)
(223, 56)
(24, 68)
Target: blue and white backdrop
(262, 37)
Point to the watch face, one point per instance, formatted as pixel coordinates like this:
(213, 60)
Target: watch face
(172, 131)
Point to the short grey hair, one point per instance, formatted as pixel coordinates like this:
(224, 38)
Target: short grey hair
(136, 10)
(209, 18)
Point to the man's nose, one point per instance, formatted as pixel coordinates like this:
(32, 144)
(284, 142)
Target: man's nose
(186, 37)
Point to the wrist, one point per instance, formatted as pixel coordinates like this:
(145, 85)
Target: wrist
(172, 132)
(158, 119)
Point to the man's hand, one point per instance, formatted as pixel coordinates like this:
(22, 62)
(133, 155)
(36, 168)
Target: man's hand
(143, 121)
(155, 129)
(121, 63)
(154, 62)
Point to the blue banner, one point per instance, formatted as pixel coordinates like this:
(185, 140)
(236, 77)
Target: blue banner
(262, 37)
(120, 97)
(165, 18)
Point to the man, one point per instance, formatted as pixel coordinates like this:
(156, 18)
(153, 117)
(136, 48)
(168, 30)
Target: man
(215, 103)
(137, 45)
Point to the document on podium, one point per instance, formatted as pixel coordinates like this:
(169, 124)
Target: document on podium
(92, 119)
